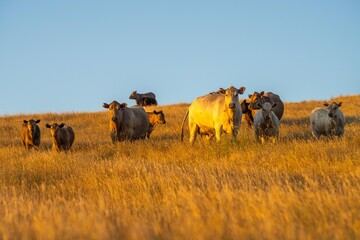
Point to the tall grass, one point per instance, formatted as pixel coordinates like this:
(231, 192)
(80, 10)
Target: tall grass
(297, 188)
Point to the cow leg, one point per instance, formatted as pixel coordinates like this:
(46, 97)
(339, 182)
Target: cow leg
(218, 130)
(193, 132)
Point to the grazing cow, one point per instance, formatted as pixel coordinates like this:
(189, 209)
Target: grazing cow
(30, 133)
(155, 118)
(62, 135)
(215, 113)
(266, 123)
(327, 121)
(256, 98)
(144, 99)
(127, 123)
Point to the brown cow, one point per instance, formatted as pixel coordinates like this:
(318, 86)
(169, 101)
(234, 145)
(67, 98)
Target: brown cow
(127, 123)
(260, 98)
(155, 118)
(30, 133)
(62, 135)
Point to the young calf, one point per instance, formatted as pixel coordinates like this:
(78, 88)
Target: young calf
(63, 136)
(155, 118)
(327, 121)
(30, 133)
(266, 123)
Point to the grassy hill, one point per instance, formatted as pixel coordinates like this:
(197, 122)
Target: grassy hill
(297, 188)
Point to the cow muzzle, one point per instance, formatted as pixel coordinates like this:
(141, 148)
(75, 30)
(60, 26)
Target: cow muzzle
(232, 105)
(114, 119)
(330, 115)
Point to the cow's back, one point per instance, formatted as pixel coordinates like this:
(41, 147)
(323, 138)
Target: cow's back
(67, 136)
(205, 110)
(137, 122)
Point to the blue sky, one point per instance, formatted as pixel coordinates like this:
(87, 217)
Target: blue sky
(71, 56)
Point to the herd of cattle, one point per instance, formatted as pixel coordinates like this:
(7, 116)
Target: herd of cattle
(209, 115)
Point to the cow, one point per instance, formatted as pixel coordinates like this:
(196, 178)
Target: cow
(266, 123)
(328, 121)
(155, 118)
(62, 135)
(214, 114)
(30, 133)
(144, 99)
(261, 98)
(127, 123)
(247, 113)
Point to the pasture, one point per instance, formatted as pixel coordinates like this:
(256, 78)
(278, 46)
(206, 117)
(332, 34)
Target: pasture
(161, 188)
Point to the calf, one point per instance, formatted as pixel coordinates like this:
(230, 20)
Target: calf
(327, 121)
(155, 118)
(62, 135)
(266, 123)
(30, 133)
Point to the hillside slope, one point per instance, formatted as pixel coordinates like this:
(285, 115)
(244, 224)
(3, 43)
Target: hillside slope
(163, 188)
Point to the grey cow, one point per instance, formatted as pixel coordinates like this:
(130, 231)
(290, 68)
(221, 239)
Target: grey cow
(266, 123)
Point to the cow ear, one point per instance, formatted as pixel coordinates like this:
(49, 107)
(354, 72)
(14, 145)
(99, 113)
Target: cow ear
(262, 93)
(123, 105)
(326, 104)
(105, 105)
(339, 104)
(47, 125)
(37, 121)
(241, 90)
(25, 121)
(62, 125)
(250, 95)
(274, 105)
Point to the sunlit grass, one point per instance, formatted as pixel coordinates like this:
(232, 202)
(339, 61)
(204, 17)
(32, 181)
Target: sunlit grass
(297, 188)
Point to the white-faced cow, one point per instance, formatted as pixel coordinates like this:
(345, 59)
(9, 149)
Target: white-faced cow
(327, 121)
(30, 133)
(266, 123)
(259, 98)
(214, 114)
(62, 135)
(155, 118)
(144, 99)
(127, 123)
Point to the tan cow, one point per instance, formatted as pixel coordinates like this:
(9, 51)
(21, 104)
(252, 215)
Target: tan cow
(260, 98)
(327, 121)
(155, 118)
(30, 133)
(126, 123)
(62, 135)
(266, 123)
(214, 114)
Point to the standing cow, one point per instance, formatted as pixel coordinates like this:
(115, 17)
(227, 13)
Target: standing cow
(30, 133)
(259, 98)
(144, 99)
(215, 113)
(155, 118)
(327, 121)
(266, 123)
(127, 123)
(62, 135)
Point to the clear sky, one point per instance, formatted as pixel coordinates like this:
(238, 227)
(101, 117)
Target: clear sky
(71, 56)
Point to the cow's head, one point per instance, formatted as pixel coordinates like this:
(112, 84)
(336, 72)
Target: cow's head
(266, 109)
(114, 109)
(232, 96)
(160, 117)
(31, 125)
(333, 109)
(54, 128)
(133, 95)
(255, 99)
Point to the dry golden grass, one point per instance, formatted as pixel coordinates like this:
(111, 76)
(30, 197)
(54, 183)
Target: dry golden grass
(297, 188)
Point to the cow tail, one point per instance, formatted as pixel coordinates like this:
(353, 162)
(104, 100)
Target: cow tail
(182, 125)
